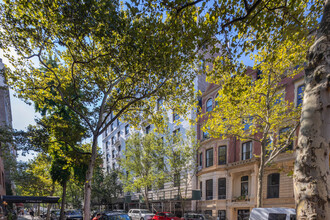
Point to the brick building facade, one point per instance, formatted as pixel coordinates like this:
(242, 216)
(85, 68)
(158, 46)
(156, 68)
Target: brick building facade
(228, 170)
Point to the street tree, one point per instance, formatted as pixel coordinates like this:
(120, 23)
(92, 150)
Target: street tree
(106, 187)
(253, 106)
(112, 59)
(180, 159)
(142, 164)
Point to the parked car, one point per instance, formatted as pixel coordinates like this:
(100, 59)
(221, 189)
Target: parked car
(114, 216)
(196, 216)
(55, 214)
(120, 211)
(73, 215)
(140, 214)
(165, 216)
(273, 214)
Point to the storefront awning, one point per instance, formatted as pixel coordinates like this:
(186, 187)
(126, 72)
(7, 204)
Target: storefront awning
(30, 199)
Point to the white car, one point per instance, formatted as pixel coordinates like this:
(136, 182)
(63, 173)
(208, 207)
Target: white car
(273, 214)
(140, 214)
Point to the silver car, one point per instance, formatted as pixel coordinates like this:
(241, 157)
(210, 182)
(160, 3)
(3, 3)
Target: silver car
(140, 214)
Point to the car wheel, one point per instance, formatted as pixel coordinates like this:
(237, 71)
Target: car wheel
(142, 219)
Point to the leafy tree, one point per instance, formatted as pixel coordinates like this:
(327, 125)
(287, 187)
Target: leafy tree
(180, 157)
(106, 187)
(253, 107)
(112, 59)
(158, 158)
(33, 178)
(142, 164)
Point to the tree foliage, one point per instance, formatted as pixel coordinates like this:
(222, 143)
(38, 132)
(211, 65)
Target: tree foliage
(106, 187)
(110, 58)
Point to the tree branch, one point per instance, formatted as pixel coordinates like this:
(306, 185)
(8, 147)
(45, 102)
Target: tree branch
(187, 5)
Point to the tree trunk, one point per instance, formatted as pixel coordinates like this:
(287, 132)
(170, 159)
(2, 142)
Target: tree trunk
(88, 181)
(311, 170)
(146, 200)
(49, 205)
(260, 176)
(62, 216)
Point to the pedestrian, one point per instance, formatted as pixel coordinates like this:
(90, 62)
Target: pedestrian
(97, 216)
(32, 214)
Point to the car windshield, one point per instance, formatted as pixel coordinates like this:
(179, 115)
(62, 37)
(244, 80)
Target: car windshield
(118, 217)
(169, 215)
(145, 211)
(73, 212)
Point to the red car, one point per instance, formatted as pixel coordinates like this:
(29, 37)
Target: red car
(165, 216)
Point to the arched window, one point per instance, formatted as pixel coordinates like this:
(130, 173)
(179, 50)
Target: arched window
(273, 185)
(209, 105)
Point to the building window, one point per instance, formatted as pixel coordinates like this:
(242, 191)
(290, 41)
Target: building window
(126, 129)
(118, 122)
(113, 140)
(148, 129)
(201, 159)
(222, 188)
(273, 185)
(247, 150)
(113, 166)
(208, 212)
(113, 154)
(176, 180)
(111, 126)
(209, 157)
(107, 145)
(222, 214)
(209, 105)
(244, 185)
(118, 135)
(300, 94)
(108, 157)
(201, 188)
(209, 189)
(222, 155)
(106, 132)
(119, 148)
(243, 214)
(205, 135)
(175, 116)
(159, 103)
(283, 135)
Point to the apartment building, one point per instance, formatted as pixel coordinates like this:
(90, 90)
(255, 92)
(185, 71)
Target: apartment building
(228, 169)
(6, 185)
(114, 143)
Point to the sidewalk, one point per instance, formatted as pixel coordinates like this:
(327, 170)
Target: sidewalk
(28, 217)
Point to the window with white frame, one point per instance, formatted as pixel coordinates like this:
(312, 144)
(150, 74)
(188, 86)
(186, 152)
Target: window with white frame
(209, 157)
(209, 105)
(222, 155)
(244, 185)
(247, 150)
